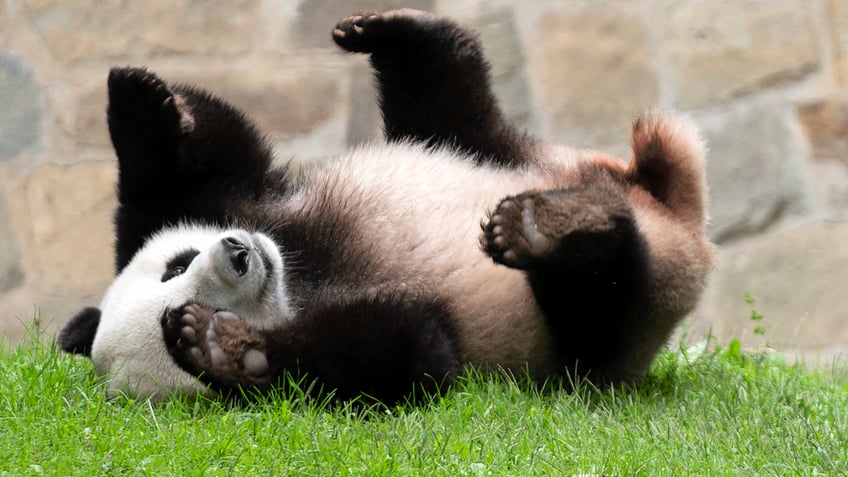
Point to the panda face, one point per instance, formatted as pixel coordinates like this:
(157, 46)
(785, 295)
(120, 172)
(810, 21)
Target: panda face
(228, 269)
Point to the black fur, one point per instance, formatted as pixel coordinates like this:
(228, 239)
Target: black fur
(78, 334)
(387, 347)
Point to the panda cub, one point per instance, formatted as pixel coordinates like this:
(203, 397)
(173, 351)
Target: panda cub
(460, 241)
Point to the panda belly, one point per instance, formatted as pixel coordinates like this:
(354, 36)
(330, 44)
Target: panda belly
(420, 214)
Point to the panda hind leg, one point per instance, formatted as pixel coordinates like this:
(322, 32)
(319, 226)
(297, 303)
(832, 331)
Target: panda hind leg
(588, 266)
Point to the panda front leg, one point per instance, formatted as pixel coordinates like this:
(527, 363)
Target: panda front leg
(587, 264)
(145, 125)
(434, 84)
(182, 155)
(385, 348)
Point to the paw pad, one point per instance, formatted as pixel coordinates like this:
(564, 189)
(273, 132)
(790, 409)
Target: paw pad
(350, 32)
(511, 236)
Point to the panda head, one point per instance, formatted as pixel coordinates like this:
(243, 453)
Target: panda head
(230, 269)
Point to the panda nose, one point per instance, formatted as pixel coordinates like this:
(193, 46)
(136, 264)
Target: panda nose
(238, 253)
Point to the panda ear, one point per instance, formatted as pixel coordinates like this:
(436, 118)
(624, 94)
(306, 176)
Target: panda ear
(77, 335)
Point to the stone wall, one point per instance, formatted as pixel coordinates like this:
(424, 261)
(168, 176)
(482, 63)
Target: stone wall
(767, 80)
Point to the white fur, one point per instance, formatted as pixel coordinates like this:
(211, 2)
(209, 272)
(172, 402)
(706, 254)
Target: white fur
(128, 346)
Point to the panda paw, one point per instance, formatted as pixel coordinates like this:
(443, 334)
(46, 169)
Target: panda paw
(217, 346)
(364, 32)
(138, 97)
(350, 33)
(511, 235)
(576, 225)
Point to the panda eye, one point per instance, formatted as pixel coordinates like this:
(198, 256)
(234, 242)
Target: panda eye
(178, 265)
(172, 272)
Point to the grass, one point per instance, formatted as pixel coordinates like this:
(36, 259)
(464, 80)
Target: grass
(700, 412)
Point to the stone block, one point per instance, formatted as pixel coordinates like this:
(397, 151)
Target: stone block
(90, 125)
(505, 51)
(721, 50)
(595, 70)
(11, 271)
(825, 123)
(62, 216)
(123, 29)
(54, 306)
(70, 223)
(754, 168)
(838, 16)
(20, 97)
(364, 122)
(798, 279)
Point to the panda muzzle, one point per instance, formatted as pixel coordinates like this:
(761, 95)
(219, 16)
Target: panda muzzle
(239, 254)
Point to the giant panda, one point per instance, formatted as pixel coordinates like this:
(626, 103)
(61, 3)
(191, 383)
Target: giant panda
(458, 242)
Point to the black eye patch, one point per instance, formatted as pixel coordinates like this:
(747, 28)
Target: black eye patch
(179, 264)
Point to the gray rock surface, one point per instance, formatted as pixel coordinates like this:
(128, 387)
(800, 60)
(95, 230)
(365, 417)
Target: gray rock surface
(722, 50)
(136, 30)
(11, 269)
(596, 72)
(754, 168)
(20, 97)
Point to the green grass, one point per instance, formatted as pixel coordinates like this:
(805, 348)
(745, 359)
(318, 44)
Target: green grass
(719, 412)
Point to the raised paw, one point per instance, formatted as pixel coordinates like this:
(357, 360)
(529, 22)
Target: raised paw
(365, 32)
(350, 32)
(511, 236)
(139, 97)
(577, 225)
(217, 345)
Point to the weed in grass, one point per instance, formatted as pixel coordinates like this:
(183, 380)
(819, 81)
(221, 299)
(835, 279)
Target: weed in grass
(756, 317)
